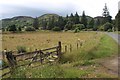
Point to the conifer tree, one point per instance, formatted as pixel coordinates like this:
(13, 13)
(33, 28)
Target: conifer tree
(84, 19)
(61, 22)
(91, 23)
(106, 15)
(76, 18)
(51, 23)
(36, 23)
(117, 20)
(71, 18)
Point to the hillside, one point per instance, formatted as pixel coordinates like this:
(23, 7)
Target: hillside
(22, 21)
(19, 21)
(47, 16)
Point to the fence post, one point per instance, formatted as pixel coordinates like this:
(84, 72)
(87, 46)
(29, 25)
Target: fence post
(80, 44)
(59, 49)
(77, 45)
(70, 47)
(11, 60)
(65, 48)
(4, 53)
(41, 57)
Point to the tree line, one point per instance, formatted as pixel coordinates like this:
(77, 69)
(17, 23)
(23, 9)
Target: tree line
(75, 22)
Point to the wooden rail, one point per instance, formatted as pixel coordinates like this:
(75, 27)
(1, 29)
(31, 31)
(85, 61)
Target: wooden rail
(35, 56)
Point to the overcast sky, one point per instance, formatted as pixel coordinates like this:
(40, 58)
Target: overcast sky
(34, 8)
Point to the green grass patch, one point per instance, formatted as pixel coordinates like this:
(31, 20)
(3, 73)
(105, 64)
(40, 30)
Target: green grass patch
(106, 48)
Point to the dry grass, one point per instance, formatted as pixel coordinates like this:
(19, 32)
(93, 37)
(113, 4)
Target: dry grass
(78, 63)
(41, 40)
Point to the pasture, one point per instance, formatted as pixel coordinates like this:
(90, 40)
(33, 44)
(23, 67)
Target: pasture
(41, 40)
(79, 62)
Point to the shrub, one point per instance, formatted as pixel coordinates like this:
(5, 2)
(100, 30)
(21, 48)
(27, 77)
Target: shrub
(95, 28)
(56, 29)
(12, 28)
(107, 26)
(101, 28)
(3, 29)
(69, 25)
(79, 26)
(21, 49)
(19, 29)
(76, 30)
(109, 30)
(30, 29)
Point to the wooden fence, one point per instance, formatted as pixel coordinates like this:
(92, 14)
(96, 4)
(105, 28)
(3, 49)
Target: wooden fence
(36, 56)
(71, 47)
(50, 54)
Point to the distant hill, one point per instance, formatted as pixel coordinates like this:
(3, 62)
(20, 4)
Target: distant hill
(47, 16)
(22, 21)
(19, 21)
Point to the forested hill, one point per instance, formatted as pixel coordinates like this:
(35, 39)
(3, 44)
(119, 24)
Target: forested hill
(22, 21)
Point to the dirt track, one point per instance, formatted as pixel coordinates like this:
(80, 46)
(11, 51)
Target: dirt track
(112, 63)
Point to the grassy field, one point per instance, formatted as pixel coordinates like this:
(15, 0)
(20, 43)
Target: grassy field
(41, 40)
(78, 63)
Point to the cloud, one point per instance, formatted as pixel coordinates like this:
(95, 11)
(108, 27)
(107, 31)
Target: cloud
(10, 8)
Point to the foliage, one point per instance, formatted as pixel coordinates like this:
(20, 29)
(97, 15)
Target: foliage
(19, 29)
(105, 11)
(101, 28)
(79, 26)
(76, 18)
(12, 28)
(76, 30)
(72, 18)
(21, 49)
(51, 23)
(61, 23)
(84, 19)
(107, 26)
(95, 28)
(3, 29)
(30, 29)
(36, 23)
(106, 15)
(117, 21)
(91, 24)
(69, 25)
(56, 29)
(43, 24)
(109, 30)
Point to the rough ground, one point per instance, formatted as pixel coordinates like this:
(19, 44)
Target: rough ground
(112, 63)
